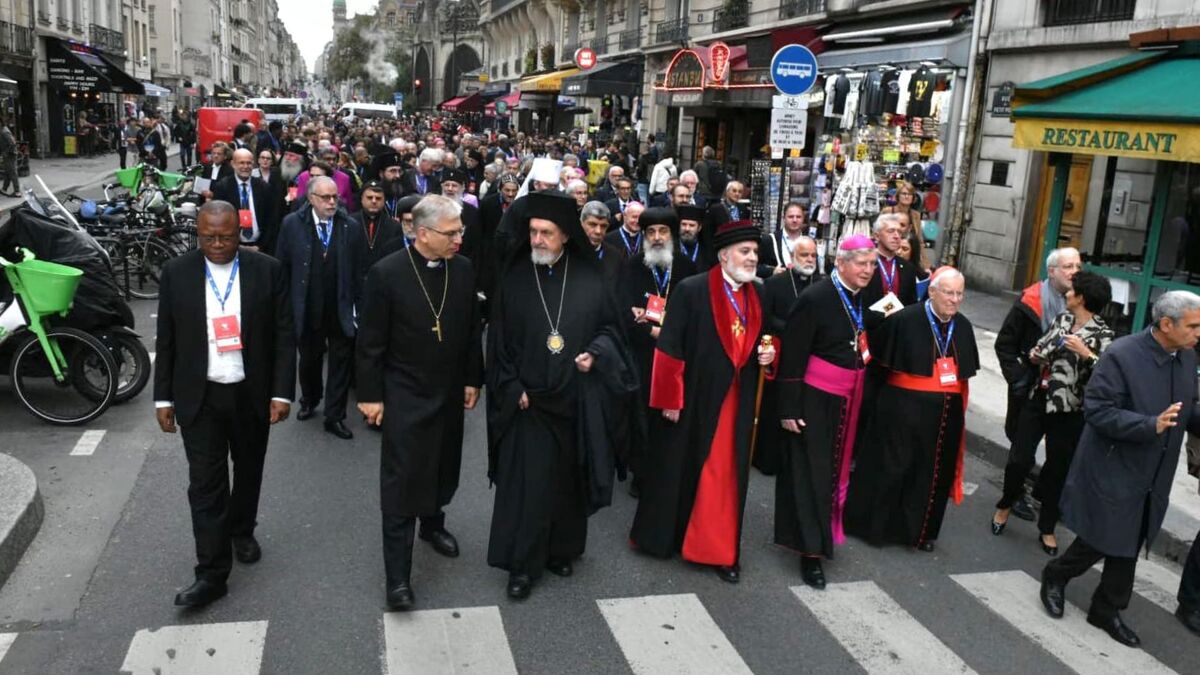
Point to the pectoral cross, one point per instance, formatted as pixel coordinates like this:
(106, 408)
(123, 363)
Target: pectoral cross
(738, 328)
(437, 328)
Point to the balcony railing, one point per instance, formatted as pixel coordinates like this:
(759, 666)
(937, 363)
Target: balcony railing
(599, 44)
(63, 24)
(1070, 12)
(790, 9)
(616, 16)
(15, 39)
(731, 17)
(44, 18)
(106, 39)
(675, 30)
(77, 28)
(631, 39)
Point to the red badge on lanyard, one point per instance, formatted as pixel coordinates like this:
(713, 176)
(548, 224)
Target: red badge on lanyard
(947, 371)
(863, 350)
(656, 308)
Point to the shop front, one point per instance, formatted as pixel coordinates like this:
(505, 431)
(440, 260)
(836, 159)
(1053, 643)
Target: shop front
(1123, 179)
(84, 97)
(17, 90)
(541, 107)
(607, 96)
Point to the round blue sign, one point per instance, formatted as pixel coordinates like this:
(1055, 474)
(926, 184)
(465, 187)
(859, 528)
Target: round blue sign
(793, 70)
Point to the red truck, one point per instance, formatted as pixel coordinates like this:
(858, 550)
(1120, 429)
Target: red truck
(216, 124)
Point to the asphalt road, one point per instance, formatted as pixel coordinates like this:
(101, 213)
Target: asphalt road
(94, 592)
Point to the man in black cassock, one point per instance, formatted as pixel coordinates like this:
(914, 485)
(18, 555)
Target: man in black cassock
(691, 244)
(627, 236)
(893, 273)
(419, 359)
(644, 294)
(379, 228)
(594, 219)
(705, 376)
(403, 210)
(780, 293)
(820, 384)
(911, 460)
(554, 314)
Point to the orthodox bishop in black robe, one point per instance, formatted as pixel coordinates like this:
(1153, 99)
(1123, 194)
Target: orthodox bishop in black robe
(698, 250)
(911, 460)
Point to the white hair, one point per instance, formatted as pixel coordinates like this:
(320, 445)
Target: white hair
(883, 220)
(1173, 305)
(594, 209)
(431, 155)
(576, 184)
(1052, 259)
(688, 175)
(941, 277)
(434, 209)
(397, 144)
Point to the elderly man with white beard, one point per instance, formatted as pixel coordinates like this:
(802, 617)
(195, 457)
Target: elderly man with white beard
(706, 366)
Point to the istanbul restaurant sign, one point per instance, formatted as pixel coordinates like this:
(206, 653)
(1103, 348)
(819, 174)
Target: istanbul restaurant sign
(1144, 140)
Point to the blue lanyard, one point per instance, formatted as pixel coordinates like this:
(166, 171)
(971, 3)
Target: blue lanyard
(889, 278)
(733, 301)
(637, 243)
(422, 182)
(663, 282)
(854, 312)
(324, 234)
(391, 207)
(943, 347)
(693, 254)
(600, 252)
(228, 287)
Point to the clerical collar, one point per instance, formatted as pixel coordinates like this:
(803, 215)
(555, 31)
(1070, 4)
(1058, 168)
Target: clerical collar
(431, 263)
(885, 256)
(735, 285)
(629, 232)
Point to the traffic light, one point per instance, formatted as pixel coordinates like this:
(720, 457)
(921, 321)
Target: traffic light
(417, 84)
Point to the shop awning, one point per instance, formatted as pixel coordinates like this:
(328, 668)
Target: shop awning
(954, 50)
(546, 83)
(606, 79)
(1116, 108)
(79, 68)
(155, 90)
(466, 103)
(510, 100)
(223, 93)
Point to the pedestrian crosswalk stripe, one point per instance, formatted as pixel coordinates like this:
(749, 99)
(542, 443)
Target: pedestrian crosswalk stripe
(200, 649)
(670, 634)
(6, 641)
(86, 445)
(446, 641)
(1081, 647)
(1155, 582)
(880, 635)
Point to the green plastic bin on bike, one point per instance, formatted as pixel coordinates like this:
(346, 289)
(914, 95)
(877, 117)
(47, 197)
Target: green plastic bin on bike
(49, 287)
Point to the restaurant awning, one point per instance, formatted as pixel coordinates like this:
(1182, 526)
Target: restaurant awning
(155, 90)
(546, 83)
(78, 68)
(223, 93)
(606, 79)
(1116, 108)
(953, 50)
(510, 100)
(468, 103)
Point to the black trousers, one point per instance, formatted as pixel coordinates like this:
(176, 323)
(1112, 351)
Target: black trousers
(314, 344)
(1116, 582)
(225, 429)
(1189, 585)
(123, 153)
(1062, 435)
(398, 535)
(185, 155)
(1022, 455)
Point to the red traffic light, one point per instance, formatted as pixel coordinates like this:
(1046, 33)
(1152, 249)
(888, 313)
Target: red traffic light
(417, 83)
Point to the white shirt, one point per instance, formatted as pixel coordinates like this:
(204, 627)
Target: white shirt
(216, 171)
(254, 232)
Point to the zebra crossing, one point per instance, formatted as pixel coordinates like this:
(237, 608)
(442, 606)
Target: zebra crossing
(676, 634)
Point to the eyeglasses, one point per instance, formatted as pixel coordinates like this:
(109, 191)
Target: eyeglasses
(327, 198)
(953, 295)
(452, 234)
(208, 239)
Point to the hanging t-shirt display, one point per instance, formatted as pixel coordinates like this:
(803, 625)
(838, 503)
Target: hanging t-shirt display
(871, 94)
(920, 92)
(903, 82)
(841, 89)
(890, 83)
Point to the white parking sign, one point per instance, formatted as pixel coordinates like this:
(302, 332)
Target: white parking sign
(788, 128)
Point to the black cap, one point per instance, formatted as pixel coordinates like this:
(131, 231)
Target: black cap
(296, 147)
(456, 175)
(659, 215)
(373, 185)
(735, 232)
(407, 204)
(558, 209)
(688, 212)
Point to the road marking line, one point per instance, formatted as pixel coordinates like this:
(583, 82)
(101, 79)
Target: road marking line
(969, 488)
(1079, 646)
(228, 648)
(670, 634)
(1155, 582)
(6, 641)
(151, 357)
(432, 642)
(880, 635)
(86, 445)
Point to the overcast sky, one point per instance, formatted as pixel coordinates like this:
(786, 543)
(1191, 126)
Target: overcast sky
(311, 23)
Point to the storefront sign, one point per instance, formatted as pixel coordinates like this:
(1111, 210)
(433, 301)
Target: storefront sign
(585, 58)
(793, 69)
(686, 98)
(1002, 100)
(686, 71)
(1145, 140)
(718, 56)
(788, 128)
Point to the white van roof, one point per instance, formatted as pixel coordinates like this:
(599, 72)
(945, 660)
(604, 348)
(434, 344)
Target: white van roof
(293, 101)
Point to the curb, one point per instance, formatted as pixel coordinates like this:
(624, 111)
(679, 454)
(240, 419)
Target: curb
(21, 512)
(95, 180)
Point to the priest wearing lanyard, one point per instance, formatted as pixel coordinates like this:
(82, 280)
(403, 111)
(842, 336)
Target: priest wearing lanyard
(824, 354)
(420, 364)
(378, 226)
(594, 219)
(706, 367)
(225, 372)
(628, 237)
(894, 274)
(692, 244)
(911, 460)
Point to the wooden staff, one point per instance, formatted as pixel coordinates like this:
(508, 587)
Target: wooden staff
(767, 342)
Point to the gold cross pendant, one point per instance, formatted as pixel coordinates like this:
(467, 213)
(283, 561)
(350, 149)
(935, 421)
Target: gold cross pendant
(437, 328)
(738, 328)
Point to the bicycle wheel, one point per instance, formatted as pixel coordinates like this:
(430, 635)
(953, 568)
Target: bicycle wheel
(133, 365)
(154, 254)
(89, 382)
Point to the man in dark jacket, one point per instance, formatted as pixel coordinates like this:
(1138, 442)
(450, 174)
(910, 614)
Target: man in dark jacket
(257, 214)
(1029, 318)
(1139, 402)
(378, 226)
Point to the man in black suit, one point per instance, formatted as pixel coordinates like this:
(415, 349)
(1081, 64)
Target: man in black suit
(729, 208)
(254, 202)
(618, 204)
(691, 181)
(218, 162)
(626, 234)
(608, 189)
(225, 371)
(665, 199)
(324, 254)
(421, 180)
(893, 273)
(594, 219)
(378, 227)
(775, 249)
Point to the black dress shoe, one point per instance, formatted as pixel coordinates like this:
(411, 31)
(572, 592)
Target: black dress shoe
(1116, 629)
(730, 574)
(306, 412)
(339, 429)
(926, 546)
(1047, 548)
(998, 528)
(560, 567)
(400, 597)
(201, 593)
(1052, 594)
(1190, 618)
(519, 586)
(246, 549)
(443, 542)
(1023, 509)
(812, 573)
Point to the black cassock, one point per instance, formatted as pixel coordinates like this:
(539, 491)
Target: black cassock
(780, 293)
(910, 460)
(419, 379)
(814, 462)
(540, 509)
(698, 253)
(903, 283)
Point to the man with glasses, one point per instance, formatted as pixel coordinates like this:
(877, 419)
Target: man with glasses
(1030, 317)
(618, 204)
(324, 254)
(253, 200)
(420, 361)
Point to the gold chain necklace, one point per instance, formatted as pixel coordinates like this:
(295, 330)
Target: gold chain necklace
(437, 313)
(554, 341)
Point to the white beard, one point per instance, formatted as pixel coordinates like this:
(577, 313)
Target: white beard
(806, 270)
(659, 256)
(289, 170)
(742, 276)
(540, 257)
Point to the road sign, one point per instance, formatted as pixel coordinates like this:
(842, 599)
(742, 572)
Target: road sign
(787, 128)
(398, 97)
(501, 107)
(585, 58)
(790, 102)
(793, 69)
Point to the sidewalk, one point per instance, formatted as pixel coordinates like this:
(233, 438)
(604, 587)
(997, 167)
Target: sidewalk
(70, 174)
(985, 425)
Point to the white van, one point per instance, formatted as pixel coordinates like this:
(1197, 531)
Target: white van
(366, 111)
(282, 109)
